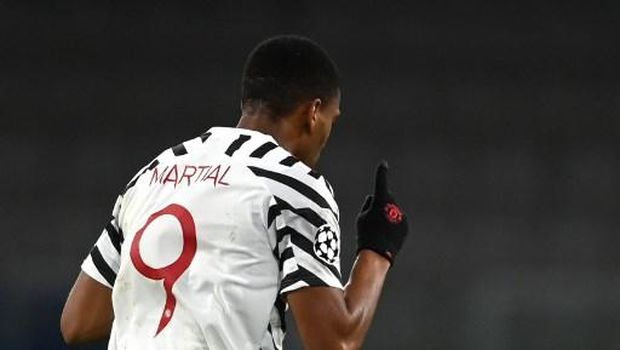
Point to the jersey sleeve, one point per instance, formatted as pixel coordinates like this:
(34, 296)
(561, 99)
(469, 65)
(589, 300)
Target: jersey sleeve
(103, 261)
(304, 216)
(308, 247)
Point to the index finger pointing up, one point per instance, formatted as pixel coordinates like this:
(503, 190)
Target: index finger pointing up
(381, 183)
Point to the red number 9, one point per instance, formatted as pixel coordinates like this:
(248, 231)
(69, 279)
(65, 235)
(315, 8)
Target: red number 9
(170, 273)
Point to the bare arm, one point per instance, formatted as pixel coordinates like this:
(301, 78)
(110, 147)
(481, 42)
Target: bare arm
(87, 315)
(328, 318)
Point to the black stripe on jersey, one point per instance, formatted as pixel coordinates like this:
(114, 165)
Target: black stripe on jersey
(205, 136)
(273, 341)
(286, 254)
(310, 215)
(179, 149)
(121, 235)
(295, 184)
(151, 166)
(102, 266)
(237, 144)
(303, 243)
(314, 174)
(289, 161)
(276, 253)
(115, 237)
(262, 150)
(302, 275)
(281, 307)
(272, 213)
(286, 230)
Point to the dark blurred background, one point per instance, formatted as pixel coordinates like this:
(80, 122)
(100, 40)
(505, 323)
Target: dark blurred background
(500, 122)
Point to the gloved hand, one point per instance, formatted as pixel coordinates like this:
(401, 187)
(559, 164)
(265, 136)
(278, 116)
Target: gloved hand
(381, 225)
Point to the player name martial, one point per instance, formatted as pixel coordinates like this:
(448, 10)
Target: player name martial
(180, 174)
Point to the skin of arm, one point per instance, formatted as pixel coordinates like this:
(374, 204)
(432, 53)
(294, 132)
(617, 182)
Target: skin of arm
(328, 318)
(88, 314)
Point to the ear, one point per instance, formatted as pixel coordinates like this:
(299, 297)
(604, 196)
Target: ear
(314, 111)
(308, 115)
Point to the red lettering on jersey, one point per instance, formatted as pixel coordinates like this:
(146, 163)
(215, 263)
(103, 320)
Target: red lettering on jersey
(222, 178)
(170, 273)
(156, 177)
(202, 169)
(170, 178)
(186, 175)
(191, 173)
(213, 175)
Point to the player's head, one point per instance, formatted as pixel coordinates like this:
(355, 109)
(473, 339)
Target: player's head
(292, 79)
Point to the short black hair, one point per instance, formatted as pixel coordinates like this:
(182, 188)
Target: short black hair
(286, 70)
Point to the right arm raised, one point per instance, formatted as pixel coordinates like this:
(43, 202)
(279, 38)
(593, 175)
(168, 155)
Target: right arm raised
(329, 318)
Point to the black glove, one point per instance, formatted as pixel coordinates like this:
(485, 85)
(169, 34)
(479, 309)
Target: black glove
(381, 225)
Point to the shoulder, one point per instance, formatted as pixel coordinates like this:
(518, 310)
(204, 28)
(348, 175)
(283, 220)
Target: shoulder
(293, 182)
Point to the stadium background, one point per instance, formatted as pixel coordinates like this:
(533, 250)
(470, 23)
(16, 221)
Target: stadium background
(500, 122)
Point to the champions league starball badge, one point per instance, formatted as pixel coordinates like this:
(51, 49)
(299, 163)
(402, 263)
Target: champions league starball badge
(326, 245)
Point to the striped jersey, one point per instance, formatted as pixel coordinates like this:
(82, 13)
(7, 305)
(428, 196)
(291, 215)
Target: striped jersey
(206, 239)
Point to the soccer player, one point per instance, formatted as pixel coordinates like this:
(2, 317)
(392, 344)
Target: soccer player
(211, 241)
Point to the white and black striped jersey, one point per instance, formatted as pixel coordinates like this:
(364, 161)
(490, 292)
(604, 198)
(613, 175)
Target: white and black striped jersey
(205, 240)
